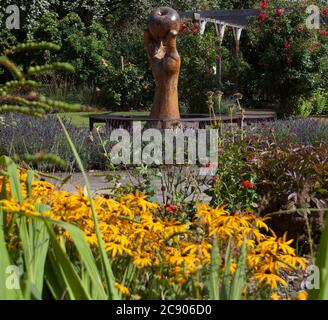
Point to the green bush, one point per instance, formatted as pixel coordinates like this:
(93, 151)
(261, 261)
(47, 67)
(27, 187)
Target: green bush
(96, 56)
(315, 105)
(127, 88)
(198, 54)
(84, 47)
(234, 185)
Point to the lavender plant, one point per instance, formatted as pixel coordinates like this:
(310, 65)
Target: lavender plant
(307, 131)
(21, 94)
(21, 135)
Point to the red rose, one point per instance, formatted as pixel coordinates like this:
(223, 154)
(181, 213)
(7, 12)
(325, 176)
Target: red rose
(325, 11)
(262, 16)
(263, 4)
(247, 184)
(279, 12)
(323, 33)
(171, 208)
(287, 44)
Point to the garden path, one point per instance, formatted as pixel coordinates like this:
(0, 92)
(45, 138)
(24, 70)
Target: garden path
(98, 184)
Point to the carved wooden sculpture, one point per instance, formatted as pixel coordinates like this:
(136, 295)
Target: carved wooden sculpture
(164, 59)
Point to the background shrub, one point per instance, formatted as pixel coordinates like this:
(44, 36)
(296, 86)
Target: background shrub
(280, 61)
(315, 105)
(290, 179)
(288, 59)
(283, 133)
(83, 46)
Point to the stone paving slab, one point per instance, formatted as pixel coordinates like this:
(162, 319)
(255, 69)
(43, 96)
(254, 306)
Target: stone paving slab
(99, 184)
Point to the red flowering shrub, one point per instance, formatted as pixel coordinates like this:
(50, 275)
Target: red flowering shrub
(189, 28)
(288, 59)
(171, 208)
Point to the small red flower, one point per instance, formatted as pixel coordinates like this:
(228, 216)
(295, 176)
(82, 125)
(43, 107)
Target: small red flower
(247, 184)
(210, 165)
(313, 47)
(279, 12)
(263, 4)
(195, 31)
(183, 27)
(287, 44)
(262, 16)
(289, 60)
(324, 33)
(208, 71)
(171, 208)
(325, 11)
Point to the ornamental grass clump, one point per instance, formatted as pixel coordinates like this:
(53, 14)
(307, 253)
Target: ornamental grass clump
(20, 93)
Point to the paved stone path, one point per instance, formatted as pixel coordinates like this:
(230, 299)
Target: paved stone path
(99, 184)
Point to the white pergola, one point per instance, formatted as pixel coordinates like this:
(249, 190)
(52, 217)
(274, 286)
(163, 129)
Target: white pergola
(220, 28)
(237, 20)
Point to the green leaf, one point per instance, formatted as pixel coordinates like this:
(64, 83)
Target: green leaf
(239, 280)
(5, 293)
(225, 292)
(15, 185)
(73, 282)
(109, 276)
(322, 263)
(215, 271)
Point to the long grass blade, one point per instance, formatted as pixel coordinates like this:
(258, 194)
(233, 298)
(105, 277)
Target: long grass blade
(322, 263)
(109, 276)
(215, 272)
(226, 282)
(239, 280)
